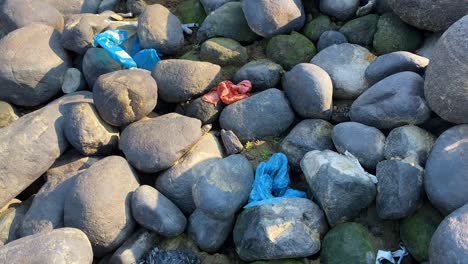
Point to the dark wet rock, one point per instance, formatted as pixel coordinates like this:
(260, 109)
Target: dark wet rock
(290, 50)
(11, 217)
(7, 114)
(98, 203)
(395, 101)
(231, 142)
(125, 96)
(446, 85)
(308, 135)
(180, 80)
(346, 65)
(328, 172)
(329, 38)
(159, 29)
(315, 28)
(310, 90)
(342, 9)
(64, 245)
(207, 112)
(289, 229)
(156, 144)
(267, 113)
(97, 62)
(223, 51)
(78, 34)
(140, 243)
(207, 232)
(361, 30)
(263, 74)
(269, 18)
(445, 179)
(28, 79)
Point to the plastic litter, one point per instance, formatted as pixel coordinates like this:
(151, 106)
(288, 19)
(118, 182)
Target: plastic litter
(271, 183)
(228, 92)
(395, 257)
(157, 256)
(186, 27)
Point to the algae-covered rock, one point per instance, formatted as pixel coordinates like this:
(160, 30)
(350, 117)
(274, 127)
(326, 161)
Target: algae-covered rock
(223, 51)
(317, 26)
(191, 11)
(289, 50)
(361, 30)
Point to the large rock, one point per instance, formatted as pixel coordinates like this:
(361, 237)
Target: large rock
(308, 135)
(227, 21)
(97, 62)
(435, 16)
(68, 7)
(310, 90)
(176, 182)
(329, 38)
(78, 34)
(125, 96)
(65, 245)
(289, 229)
(352, 189)
(449, 244)
(341, 9)
(156, 144)
(289, 50)
(32, 72)
(267, 113)
(16, 14)
(346, 65)
(212, 5)
(135, 247)
(395, 101)
(446, 86)
(317, 26)
(223, 51)
(159, 29)
(263, 74)
(361, 30)
(7, 114)
(445, 179)
(208, 113)
(180, 80)
(98, 203)
(11, 217)
(348, 136)
(268, 18)
(223, 186)
(30, 145)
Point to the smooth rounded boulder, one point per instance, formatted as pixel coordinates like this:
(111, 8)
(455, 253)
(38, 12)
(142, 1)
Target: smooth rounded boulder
(8, 114)
(97, 62)
(32, 72)
(223, 51)
(329, 38)
(98, 204)
(446, 88)
(341, 9)
(268, 18)
(263, 74)
(310, 90)
(445, 179)
(159, 29)
(68, 7)
(80, 29)
(125, 96)
(155, 144)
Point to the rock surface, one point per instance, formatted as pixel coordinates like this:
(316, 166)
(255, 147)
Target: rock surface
(97, 62)
(263, 74)
(231, 142)
(341, 9)
(314, 29)
(329, 38)
(207, 232)
(73, 81)
(68, 7)
(289, 50)
(140, 243)
(7, 114)
(361, 30)
(223, 51)
(11, 218)
(78, 34)
(208, 113)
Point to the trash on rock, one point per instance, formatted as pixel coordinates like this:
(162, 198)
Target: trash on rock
(271, 182)
(228, 92)
(383, 256)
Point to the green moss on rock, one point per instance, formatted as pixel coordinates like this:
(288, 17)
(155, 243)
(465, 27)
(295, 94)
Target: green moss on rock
(223, 51)
(317, 26)
(361, 30)
(191, 55)
(290, 50)
(191, 11)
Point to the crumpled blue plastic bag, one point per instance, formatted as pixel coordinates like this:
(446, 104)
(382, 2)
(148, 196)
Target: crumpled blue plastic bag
(271, 182)
(111, 40)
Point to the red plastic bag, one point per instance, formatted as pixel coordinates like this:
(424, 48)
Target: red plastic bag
(228, 92)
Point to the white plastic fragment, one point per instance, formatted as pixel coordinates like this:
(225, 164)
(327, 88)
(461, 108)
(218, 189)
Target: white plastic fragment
(186, 27)
(395, 257)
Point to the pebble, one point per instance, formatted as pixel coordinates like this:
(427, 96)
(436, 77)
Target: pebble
(11, 217)
(231, 142)
(361, 30)
(208, 113)
(315, 28)
(263, 74)
(342, 9)
(329, 38)
(73, 81)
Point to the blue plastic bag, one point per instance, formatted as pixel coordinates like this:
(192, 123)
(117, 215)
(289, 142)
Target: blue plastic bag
(146, 59)
(271, 182)
(111, 40)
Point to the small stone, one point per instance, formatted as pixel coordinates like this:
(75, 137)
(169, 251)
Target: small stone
(223, 51)
(329, 38)
(310, 90)
(289, 50)
(342, 9)
(231, 142)
(208, 113)
(7, 114)
(140, 243)
(395, 62)
(155, 212)
(263, 74)
(361, 30)
(78, 34)
(191, 11)
(315, 28)
(73, 81)
(97, 62)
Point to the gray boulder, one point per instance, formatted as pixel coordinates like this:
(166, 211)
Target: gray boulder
(268, 18)
(7, 114)
(30, 145)
(449, 242)
(155, 212)
(446, 87)
(223, 186)
(290, 50)
(159, 29)
(32, 72)
(227, 21)
(212, 5)
(98, 203)
(73, 81)
(125, 96)
(346, 65)
(399, 190)
(317, 26)
(223, 51)
(267, 113)
(341, 9)
(310, 91)
(328, 172)
(140, 243)
(64, 245)
(436, 16)
(156, 144)
(136, 6)
(16, 14)
(409, 143)
(180, 80)
(78, 34)
(308, 135)
(107, 5)
(329, 38)
(208, 113)
(68, 7)
(11, 217)
(289, 229)
(361, 30)
(263, 74)
(445, 180)
(176, 182)
(231, 142)
(395, 101)
(395, 62)
(348, 136)
(97, 62)
(430, 42)
(88, 133)
(207, 232)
